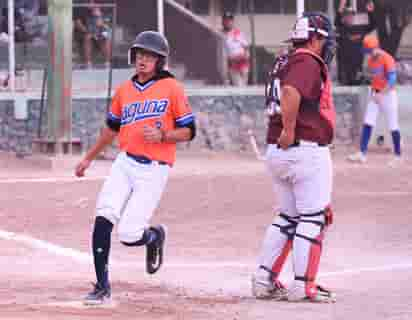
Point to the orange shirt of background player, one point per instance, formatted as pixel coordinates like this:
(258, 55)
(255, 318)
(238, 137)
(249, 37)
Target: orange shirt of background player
(159, 103)
(380, 67)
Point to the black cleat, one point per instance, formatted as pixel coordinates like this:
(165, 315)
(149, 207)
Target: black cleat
(154, 251)
(380, 140)
(99, 295)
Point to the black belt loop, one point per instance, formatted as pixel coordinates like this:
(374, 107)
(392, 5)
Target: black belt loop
(297, 144)
(145, 160)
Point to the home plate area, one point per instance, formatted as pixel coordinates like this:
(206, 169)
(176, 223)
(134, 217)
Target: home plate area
(216, 208)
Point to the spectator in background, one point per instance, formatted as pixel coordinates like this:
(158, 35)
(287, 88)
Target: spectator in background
(27, 26)
(189, 5)
(91, 30)
(237, 50)
(3, 20)
(350, 37)
(392, 18)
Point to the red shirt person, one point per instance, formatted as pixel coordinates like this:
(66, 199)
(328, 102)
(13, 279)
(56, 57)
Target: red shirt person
(237, 51)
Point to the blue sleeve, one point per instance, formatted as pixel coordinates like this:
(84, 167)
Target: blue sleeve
(185, 120)
(391, 77)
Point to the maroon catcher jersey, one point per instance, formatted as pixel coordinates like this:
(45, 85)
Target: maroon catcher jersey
(308, 74)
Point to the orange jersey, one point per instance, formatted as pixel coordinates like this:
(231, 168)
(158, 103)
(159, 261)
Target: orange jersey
(160, 103)
(380, 67)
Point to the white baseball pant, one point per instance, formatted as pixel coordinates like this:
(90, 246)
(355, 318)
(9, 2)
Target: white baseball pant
(302, 181)
(388, 104)
(130, 195)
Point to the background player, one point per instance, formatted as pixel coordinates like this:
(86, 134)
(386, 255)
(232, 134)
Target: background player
(383, 96)
(299, 162)
(149, 113)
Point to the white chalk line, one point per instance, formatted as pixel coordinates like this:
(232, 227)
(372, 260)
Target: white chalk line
(79, 304)
(83, 257)
(51, 180)
(376, 193)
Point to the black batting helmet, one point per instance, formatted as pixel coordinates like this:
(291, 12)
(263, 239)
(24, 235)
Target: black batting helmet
(151, 41)
(311, 24)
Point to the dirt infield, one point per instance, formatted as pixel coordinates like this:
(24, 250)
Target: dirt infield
(216, 208)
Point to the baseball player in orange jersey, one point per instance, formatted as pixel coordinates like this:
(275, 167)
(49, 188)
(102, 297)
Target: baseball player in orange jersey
(383, 97)
(150, 114)
(301, 126)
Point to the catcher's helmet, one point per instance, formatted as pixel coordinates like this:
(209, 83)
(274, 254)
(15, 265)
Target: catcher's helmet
(311, 24)
(151, 41)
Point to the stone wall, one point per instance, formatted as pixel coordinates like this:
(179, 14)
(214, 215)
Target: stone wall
(224, 121)
(18, 135)
(224, 116)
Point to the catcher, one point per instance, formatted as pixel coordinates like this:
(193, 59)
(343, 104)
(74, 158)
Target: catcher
(301, 127)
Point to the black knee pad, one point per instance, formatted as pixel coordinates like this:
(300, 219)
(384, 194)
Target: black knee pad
(317, 219)
(286, 224)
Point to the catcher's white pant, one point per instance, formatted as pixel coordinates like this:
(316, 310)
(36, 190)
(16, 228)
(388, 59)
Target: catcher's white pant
(302, 181)
(130, 195)
(302, 177)
(388, 104)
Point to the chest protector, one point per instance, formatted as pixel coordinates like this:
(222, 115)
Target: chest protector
(273, 92)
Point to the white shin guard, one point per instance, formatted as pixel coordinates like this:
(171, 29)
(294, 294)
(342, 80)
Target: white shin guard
(276, 246)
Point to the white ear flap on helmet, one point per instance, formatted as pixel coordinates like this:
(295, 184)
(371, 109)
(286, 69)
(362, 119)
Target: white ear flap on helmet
(301, 29)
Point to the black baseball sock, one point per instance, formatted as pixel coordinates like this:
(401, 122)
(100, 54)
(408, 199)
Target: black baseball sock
(101, 249)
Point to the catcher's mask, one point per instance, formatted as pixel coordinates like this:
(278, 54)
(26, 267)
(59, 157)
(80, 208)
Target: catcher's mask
(312, 24)
(151, 41)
